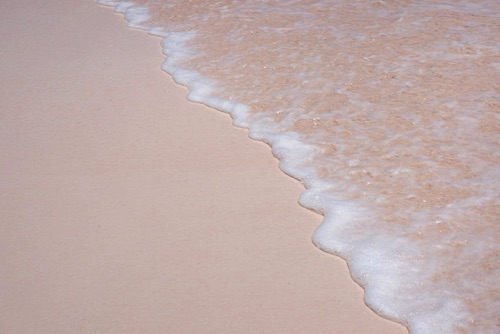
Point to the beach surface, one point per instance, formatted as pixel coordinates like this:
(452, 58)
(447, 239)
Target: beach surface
(124, 208)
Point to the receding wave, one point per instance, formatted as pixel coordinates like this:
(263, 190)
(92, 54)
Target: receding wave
(387, 111)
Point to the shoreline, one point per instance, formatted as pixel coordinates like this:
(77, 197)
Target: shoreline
(128, 209)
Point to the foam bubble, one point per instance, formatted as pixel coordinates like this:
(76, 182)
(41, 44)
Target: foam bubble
(387, 113)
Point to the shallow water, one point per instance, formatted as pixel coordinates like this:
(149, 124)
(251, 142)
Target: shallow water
(388, 112)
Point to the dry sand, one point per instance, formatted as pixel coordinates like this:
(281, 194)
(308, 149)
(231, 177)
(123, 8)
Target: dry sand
(126, 209)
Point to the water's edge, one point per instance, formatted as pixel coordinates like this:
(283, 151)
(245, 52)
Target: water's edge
(408, 259)
(281, 149)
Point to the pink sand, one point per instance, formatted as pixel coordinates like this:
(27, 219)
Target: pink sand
(126, 209)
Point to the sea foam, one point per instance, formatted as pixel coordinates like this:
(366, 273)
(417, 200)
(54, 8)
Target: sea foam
(387, 112)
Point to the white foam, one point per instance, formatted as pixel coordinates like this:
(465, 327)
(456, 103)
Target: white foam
(399, 162)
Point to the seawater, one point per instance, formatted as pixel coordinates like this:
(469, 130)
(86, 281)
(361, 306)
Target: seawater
(387, 111)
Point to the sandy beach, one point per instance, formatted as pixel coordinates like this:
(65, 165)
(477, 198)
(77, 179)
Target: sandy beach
(124, 208)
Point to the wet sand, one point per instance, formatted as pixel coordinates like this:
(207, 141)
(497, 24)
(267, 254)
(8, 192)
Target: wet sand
(126, 209)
